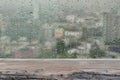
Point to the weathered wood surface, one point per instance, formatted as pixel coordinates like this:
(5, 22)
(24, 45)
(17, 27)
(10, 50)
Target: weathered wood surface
(52, 66)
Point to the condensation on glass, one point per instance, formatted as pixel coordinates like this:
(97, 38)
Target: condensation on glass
(59, 29)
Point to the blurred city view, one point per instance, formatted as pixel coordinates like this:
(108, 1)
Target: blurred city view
(59, 29)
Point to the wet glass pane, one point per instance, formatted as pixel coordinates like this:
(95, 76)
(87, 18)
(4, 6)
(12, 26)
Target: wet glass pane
(59, 29)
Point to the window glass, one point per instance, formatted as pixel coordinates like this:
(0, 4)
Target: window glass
(59, 29)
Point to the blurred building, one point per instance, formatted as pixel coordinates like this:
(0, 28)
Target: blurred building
(111, 26)
(3, 25)
(36, 9)
(48, 32)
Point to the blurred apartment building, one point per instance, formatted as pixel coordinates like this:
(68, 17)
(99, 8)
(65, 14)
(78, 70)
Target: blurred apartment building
(111, 26)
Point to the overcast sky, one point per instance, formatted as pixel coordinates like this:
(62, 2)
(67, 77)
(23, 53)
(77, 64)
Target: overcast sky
(85, 3)
(88, 5)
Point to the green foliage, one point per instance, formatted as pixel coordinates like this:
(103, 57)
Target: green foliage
(113, 56)
(98, 34)
(60, 47)
(114, 42)
(46, 54)
(67, 55)
(73, 45)
(97, 53)
(63, 55)
(73, 55)
(3, 55)
(24, 49)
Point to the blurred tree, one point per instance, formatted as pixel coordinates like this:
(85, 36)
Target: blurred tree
(60, 47)
(96, 52)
